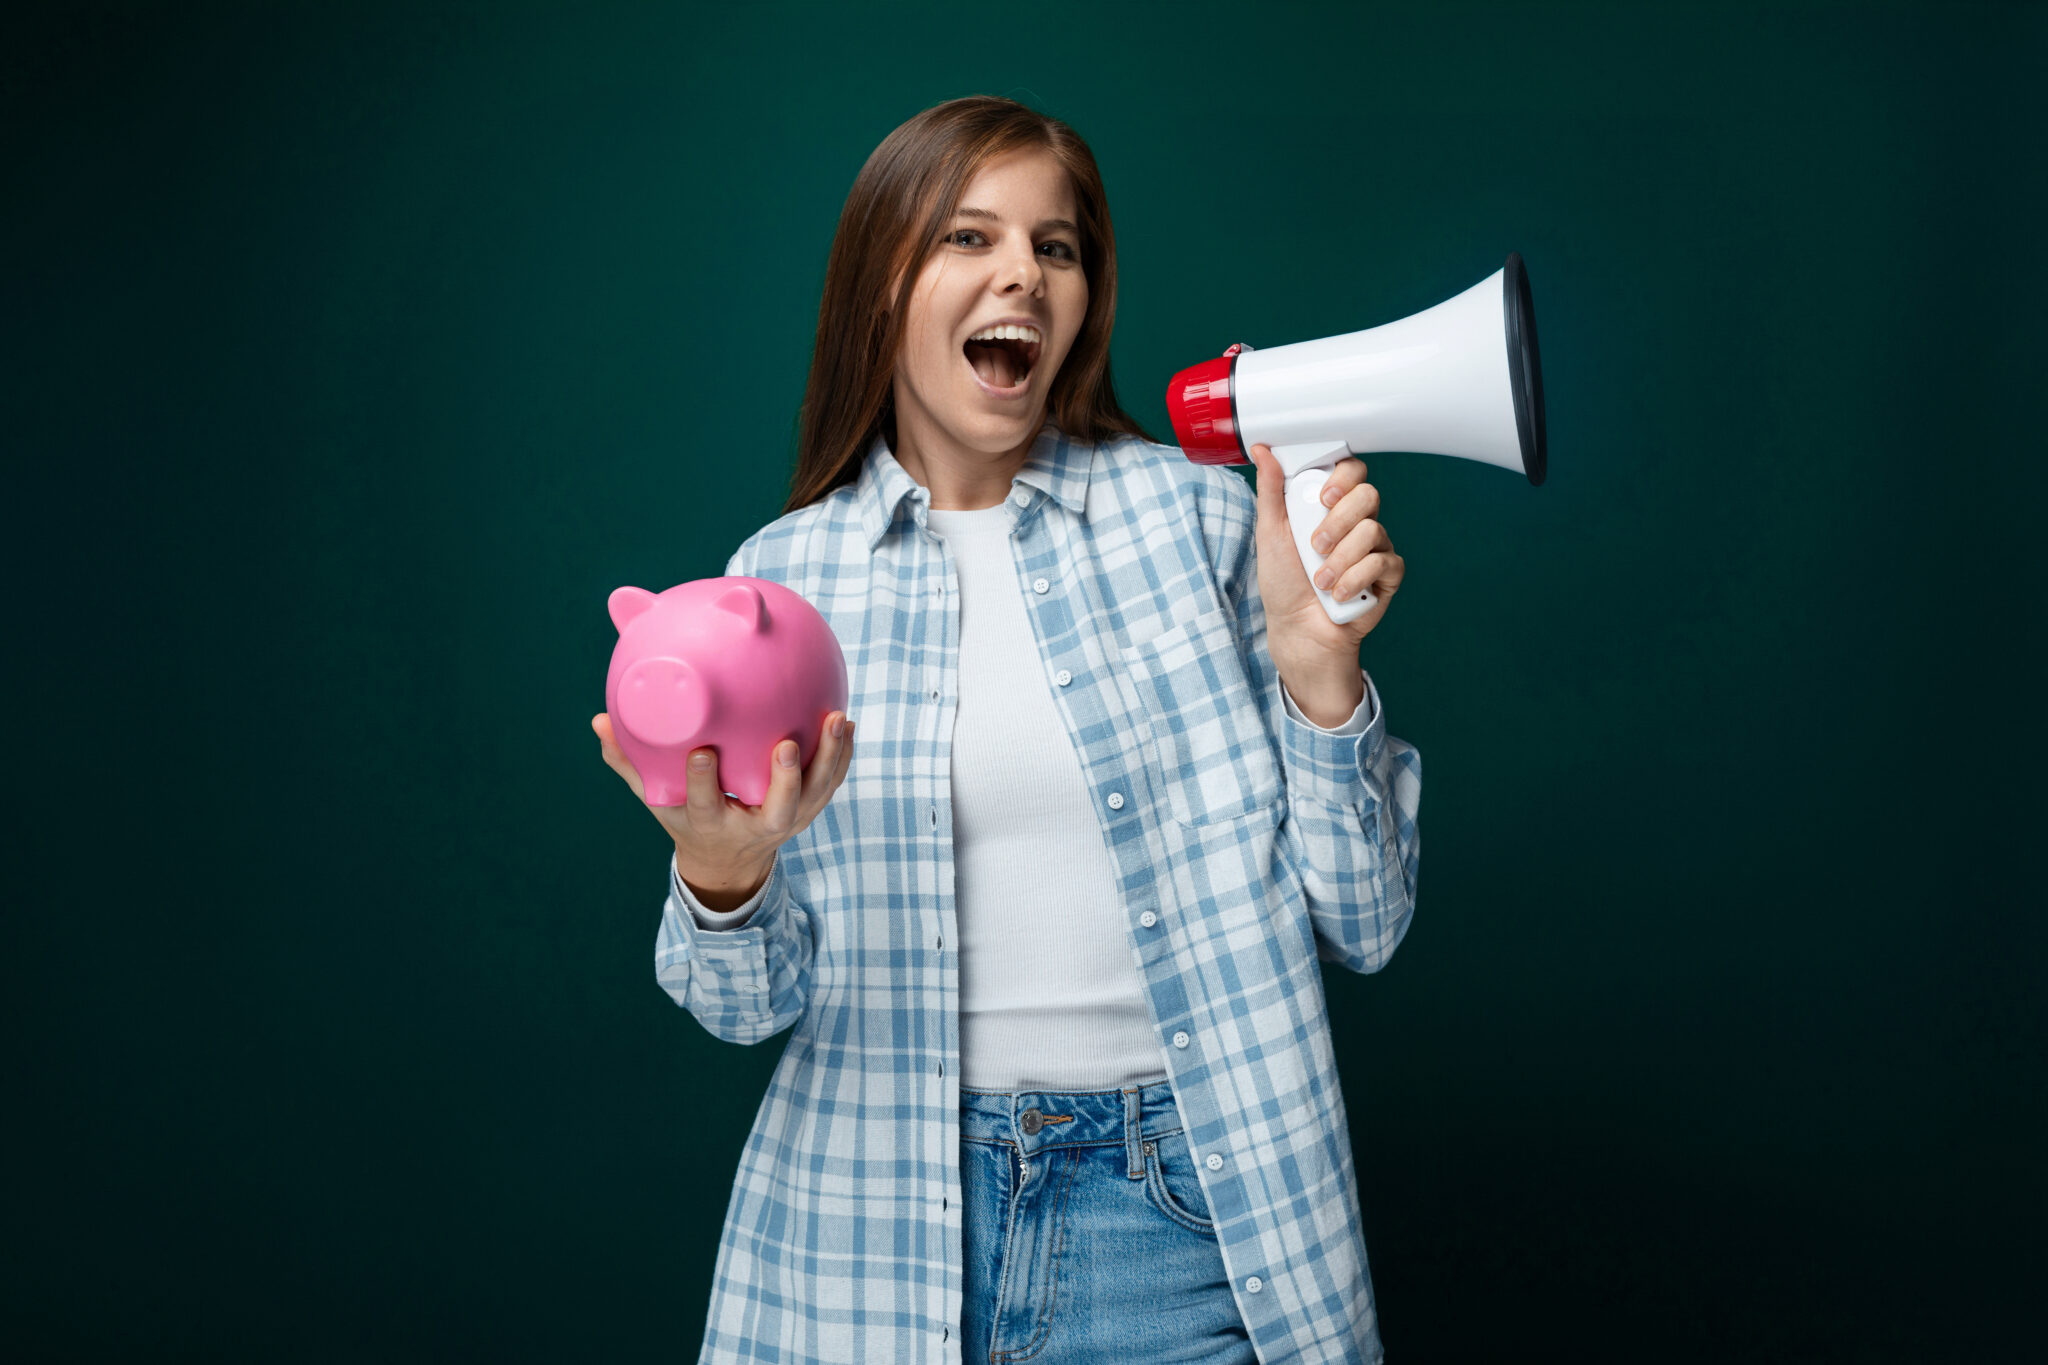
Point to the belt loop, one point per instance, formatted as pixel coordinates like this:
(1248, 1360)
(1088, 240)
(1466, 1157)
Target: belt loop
(1134, 1147)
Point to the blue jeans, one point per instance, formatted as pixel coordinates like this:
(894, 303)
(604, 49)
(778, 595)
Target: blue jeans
(1087, 1234)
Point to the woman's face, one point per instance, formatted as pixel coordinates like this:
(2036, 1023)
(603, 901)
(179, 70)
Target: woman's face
(1011, 256)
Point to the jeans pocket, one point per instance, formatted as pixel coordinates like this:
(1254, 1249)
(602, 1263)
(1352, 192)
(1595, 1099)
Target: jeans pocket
(1173, 1185)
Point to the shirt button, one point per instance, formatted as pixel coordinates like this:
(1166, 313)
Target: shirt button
(1021, 498)
(1215, 1162)
(1040, 586)
(1116, 800)
(1063, 677)
(1148, 919)
(1254, 1284)
(1180, 1040)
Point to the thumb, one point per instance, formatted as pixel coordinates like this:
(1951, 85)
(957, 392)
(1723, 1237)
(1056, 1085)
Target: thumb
(1272, 491)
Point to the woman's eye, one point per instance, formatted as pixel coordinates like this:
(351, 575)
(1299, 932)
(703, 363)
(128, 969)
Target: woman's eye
(971, 237)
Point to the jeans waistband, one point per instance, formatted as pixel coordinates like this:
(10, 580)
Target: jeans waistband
(1035, 1120)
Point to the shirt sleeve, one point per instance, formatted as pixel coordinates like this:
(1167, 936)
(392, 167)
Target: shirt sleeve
(745, 973)
(746, 982)
(1350, 827)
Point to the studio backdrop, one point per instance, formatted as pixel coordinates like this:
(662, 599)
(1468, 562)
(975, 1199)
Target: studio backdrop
(356, 353)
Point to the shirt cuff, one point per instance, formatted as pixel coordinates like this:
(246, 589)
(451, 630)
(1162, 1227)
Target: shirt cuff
(1339, 767)
(715, 920)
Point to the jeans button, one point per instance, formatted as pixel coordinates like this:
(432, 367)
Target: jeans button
(1030, 1122)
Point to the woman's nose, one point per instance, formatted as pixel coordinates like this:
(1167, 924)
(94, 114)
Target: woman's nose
(1023, 271)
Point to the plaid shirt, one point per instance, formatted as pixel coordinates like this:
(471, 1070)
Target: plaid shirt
(1249, 847)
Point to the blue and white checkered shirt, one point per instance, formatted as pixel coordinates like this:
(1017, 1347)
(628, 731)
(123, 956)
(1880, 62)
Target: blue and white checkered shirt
(1250, 846)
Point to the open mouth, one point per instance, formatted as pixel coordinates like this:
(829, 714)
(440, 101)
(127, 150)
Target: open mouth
(1002, 357)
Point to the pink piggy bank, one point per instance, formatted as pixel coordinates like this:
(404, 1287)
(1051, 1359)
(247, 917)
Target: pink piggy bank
(738, 664)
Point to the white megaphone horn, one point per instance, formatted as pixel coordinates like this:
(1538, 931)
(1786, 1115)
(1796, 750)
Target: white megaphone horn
(1462, 378)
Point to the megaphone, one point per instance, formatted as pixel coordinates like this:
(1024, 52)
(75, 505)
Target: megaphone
(1462, 378)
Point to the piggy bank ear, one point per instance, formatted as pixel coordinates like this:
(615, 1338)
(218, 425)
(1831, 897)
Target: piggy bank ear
(744, 600)
(628, 603)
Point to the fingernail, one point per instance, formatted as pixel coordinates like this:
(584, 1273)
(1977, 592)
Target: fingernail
(1329, 497)
(838, 726)
(1321, 543)
(700, 761)
(1323, 579)
(788, 752)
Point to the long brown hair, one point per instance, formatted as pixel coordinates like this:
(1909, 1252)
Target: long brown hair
(903, 196)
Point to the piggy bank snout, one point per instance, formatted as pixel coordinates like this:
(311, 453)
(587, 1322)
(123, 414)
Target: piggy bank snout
(663, 702)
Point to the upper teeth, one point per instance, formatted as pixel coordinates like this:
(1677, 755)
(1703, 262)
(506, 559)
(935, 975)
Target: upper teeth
(1008, 331)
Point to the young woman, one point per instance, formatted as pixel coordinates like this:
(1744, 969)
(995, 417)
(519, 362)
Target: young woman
(1061, 1084)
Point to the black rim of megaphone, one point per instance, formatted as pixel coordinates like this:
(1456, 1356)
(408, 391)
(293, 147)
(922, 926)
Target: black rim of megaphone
(1525, 367)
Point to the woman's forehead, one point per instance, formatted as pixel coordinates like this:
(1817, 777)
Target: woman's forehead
(1021, 184)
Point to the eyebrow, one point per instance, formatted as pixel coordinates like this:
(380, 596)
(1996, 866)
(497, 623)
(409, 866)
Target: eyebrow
(1066, 223)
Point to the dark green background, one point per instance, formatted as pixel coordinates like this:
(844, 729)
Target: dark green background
(353, 357)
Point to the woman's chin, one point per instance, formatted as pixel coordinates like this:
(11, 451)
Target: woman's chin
(996, 428)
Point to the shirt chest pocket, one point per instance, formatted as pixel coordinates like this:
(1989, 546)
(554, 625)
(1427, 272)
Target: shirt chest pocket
(1204, 724)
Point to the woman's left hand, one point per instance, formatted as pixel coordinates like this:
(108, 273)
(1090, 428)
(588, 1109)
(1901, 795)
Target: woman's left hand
(1309, 649)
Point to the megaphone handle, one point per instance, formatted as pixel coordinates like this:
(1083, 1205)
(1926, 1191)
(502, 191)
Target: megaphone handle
(1305, 512)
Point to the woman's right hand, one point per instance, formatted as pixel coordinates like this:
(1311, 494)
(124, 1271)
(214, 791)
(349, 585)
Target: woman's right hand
(722, 843)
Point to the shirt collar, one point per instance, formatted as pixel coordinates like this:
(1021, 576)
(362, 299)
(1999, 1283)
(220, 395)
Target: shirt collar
(1057, 466)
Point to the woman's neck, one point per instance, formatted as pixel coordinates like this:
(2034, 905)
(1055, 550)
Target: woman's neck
(959, 479)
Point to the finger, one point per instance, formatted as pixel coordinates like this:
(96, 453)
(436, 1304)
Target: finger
(1271, 491)
(706, 802)
(1345, 475)
(1389, 582)
(1361, 504)
(608, 747)
(1379, 573)
(842, 760)
(1363, 498)
(845, 761)
(1360, 541)
(818, 777)
(785, 786)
